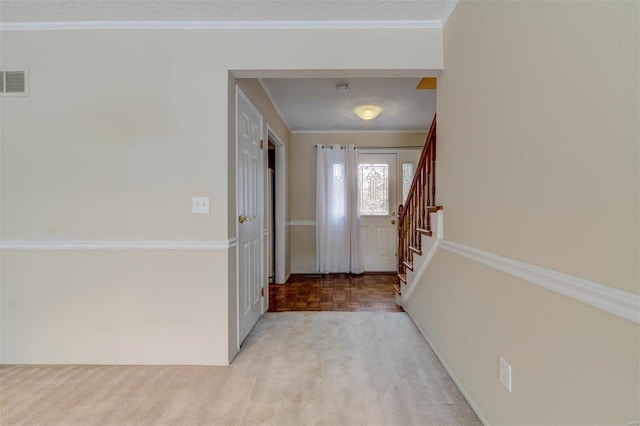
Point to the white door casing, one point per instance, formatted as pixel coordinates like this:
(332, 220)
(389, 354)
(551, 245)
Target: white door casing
(250, 206)
(270, 226)
(280, 206)
(377, 188)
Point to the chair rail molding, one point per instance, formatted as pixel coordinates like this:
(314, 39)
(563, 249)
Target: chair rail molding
(620, 303)
(118, 244)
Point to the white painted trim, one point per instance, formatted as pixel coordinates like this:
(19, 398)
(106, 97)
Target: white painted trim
(287, 224)
(617, 302)
(333, 73)
(357, 131)
(463, 391)
(219, 25)
(281, 203)
(302, 223)
(118, 244)
(275, 106)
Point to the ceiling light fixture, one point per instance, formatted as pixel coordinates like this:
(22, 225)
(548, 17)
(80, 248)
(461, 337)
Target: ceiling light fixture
(367, 112)
(343, 87)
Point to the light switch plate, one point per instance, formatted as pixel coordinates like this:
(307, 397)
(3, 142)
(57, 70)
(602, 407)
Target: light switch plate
(505, 374)
(200, 205)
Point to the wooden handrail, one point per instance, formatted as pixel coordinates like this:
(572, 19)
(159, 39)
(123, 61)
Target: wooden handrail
(414, 219)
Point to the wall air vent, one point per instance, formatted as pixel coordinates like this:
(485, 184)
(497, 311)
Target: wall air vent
(14, 82)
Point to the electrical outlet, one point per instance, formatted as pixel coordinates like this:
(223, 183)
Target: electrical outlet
(505, 374)
(200, 205)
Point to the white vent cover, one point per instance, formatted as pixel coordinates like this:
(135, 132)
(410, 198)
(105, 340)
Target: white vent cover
(14, 82)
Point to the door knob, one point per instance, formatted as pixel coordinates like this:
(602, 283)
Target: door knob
(243, 219)
(393, 221)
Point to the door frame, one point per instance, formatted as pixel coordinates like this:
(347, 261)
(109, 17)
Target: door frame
(280, 204)
(261, 254)
(397, 151)
(370, 223)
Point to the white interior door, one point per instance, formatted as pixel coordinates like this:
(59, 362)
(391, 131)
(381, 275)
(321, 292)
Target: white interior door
(377, 189)
(250, 214)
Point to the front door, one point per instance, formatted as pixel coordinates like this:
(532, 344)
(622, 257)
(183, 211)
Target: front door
(250, 214)
(377, 188)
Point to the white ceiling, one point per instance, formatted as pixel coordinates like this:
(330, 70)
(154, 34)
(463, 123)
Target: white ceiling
(224, 10)
(314, 104)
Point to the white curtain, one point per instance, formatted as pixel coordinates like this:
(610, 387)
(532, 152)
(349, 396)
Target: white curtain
(337, 217)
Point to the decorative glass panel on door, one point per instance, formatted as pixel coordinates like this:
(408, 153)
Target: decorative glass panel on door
(407, 179)
(373, 189)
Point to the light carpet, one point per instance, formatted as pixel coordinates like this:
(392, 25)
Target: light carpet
(295, 368)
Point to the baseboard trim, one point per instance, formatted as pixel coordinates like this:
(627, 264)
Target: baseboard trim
(119, 245)
(620, 303)
(420, 272)
(464, 393)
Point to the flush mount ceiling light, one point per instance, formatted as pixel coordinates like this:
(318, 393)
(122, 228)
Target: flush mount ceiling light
(367, 112)
(343, 87)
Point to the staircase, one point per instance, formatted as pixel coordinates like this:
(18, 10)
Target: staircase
(415, 223)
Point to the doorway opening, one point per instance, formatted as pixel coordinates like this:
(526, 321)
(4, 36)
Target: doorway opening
(288, 248)
(277, 208)
(271, 211)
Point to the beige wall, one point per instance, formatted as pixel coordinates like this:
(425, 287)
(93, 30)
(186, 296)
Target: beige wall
(112, 307)
(121, 129)
(538, 161)
(561, 121)
(303, 184)
(572, 364)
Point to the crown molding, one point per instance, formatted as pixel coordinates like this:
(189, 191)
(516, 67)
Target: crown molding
(119, 245)
(273, 102)
(312, 132)
(218, 25)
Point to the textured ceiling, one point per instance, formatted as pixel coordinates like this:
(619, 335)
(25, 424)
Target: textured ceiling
(224, 10)
(314, 104)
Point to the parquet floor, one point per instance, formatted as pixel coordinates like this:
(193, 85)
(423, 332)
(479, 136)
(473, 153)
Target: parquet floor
(335, 292)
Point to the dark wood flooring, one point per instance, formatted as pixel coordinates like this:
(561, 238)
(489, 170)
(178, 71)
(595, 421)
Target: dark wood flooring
(335, 292)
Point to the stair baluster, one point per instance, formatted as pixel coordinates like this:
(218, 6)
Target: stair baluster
(414, 217)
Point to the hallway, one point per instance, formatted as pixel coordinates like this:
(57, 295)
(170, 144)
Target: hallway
(335, 292)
